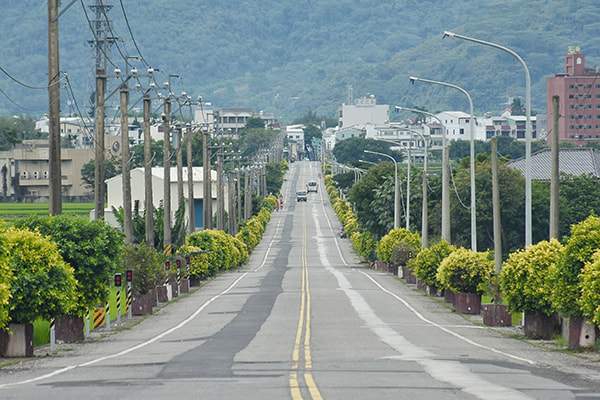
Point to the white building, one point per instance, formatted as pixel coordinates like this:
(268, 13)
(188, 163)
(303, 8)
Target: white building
(231, 120)
(295, 138)
(365, 111)
(115, 192)
(457, 125)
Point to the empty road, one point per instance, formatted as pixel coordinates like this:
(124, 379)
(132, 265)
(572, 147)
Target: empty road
(303, 320)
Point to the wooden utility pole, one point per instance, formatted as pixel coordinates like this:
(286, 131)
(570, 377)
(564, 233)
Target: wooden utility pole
(125, 173)
(555, 177)
(179, 160)
(148, 201)
(446, 232)
(167, 176)
(206, 181)
(425, 200)
(496, 207)
(231, 214)
(190, 177)
(238, 193)
(247, 194)
(55, 174)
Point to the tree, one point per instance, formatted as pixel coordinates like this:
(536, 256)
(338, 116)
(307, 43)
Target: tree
(111, 169)
(517, 107)
(15, 129)
(255, 123)
(312, 118)
(311, 131)
(254, 139)
(351, 150)
(137, 154)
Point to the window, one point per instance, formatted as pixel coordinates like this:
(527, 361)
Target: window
(571, 96)
(462, 131)
(571, 86)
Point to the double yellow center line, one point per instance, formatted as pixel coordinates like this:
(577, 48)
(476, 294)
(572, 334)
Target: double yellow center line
(304, 328)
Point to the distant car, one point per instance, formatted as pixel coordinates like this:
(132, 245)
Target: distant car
(301, 196)
(312, 187)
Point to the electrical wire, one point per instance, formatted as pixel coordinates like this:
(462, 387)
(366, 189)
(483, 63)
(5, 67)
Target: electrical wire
(15, 103)
(456, 191)
(89, 133)
(25, 85)
(131, 34)
(87, 17)
(123, 54)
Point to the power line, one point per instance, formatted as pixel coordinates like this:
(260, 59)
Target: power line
(456, 191)
(14, 102)
(90, 135)
(87, 17)
(27, 85)
(109, 25)
(131, 34)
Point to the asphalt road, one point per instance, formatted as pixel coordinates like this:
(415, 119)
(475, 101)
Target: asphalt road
(304, 320)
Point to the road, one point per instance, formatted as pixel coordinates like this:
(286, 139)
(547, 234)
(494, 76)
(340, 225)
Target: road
(304, 320)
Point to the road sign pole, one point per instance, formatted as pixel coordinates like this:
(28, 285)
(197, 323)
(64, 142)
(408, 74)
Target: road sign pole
(52, 335)
(107, 316)
(129, 278)
(118, 285)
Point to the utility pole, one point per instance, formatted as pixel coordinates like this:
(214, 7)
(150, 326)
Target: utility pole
(179, 161)
(408, 186)
(247, 195)
(496, 208)
(190, 177)
(220, 189)
(167, 175)
(425, 200)
(149, 205)
(238, 193)
(126, 175)
(555, 177)
(231, 215)
(206, 181)
(55, 182)
(101, 43)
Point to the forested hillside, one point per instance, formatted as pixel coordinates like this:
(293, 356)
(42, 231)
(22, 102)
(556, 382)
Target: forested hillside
(288, 56)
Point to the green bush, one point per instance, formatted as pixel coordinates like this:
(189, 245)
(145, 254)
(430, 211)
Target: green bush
(44, 285)
(242, 248)
(579, 248)
(524, 278)
(395, 237)
(465, 271)
(365, 244)
(6, 277)
(589, 302)
(147, 266)
(426, 264)
(92, 248)
(199, 262)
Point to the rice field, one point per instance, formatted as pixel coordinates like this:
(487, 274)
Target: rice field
(18, 210)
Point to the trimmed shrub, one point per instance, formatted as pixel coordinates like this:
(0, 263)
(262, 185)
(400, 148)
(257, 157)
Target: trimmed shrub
(579, 248)
(269, 203)
(465, 271)
(365, 244)
(44, 285)
(147, 266)
(524, 277)
(93, 248)
(426, 264)
(6, 277)
(394, 238)
(589, 302)
(199, 262)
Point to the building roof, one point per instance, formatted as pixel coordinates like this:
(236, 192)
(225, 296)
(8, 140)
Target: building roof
(571, 161)
(197, 172)
(455, 114)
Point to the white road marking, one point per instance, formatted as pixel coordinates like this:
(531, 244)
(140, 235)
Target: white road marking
(451, 372)
(417, 313)
(154, 339)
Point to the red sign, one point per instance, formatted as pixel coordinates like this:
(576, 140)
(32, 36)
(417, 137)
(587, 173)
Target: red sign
(178, 262)
(118, 280)
(188, 260)
(129, 275)
(167, 265)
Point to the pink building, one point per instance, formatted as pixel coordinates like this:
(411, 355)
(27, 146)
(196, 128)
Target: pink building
(579, 91)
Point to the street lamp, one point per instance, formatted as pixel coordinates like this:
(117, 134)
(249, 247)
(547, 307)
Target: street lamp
(414, 79)
(396, 186)
(528, 133)
(445, 169)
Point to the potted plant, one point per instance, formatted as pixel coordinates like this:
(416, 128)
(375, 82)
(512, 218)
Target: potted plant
(590, 293)
(466, 273)
(43, 287)
(425, 265)
(579, 248)
(94, 250)
(148, 273)
(525, 288)
(411, 245)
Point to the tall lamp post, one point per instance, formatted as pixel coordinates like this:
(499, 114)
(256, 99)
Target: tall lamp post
(396, 186)
(414, 79)
(528, 133)
(445, 170)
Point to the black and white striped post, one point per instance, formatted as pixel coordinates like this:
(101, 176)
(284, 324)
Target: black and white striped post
(129, 278)
(107, 316)
(178, 263)
(118, 284)
(52, 335)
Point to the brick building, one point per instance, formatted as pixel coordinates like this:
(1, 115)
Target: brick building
(579, 91)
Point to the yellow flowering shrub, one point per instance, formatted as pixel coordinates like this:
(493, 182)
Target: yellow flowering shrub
(465, 271)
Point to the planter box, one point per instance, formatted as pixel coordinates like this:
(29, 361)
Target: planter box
(185, 286)
(433, 291)
(540, 326)
(195, 282)
(380, 266)
(164, 293)
(449, 296)
(408, 275)
(578, 332)
(142, 305)
(174, 289)
(17, 341)
(392, 269)
(420, 284)
(69, 329)
(496, 315)
(467, 303)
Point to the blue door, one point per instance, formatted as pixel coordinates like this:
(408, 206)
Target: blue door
(198, 213)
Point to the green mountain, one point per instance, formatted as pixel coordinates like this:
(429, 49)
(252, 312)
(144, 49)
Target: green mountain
(290, 56)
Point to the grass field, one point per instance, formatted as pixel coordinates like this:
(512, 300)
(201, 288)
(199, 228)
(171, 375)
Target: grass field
(17, 210)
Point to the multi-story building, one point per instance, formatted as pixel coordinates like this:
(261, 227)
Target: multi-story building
(231, 120)
(578, 89)
(25, 169)
(364, 112)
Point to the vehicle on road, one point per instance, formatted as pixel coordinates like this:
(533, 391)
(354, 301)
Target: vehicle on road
(312, 187)
(301, 196)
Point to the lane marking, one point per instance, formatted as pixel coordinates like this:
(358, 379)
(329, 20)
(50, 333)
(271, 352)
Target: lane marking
(417, 313)
(150, 341)
(449, 371)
